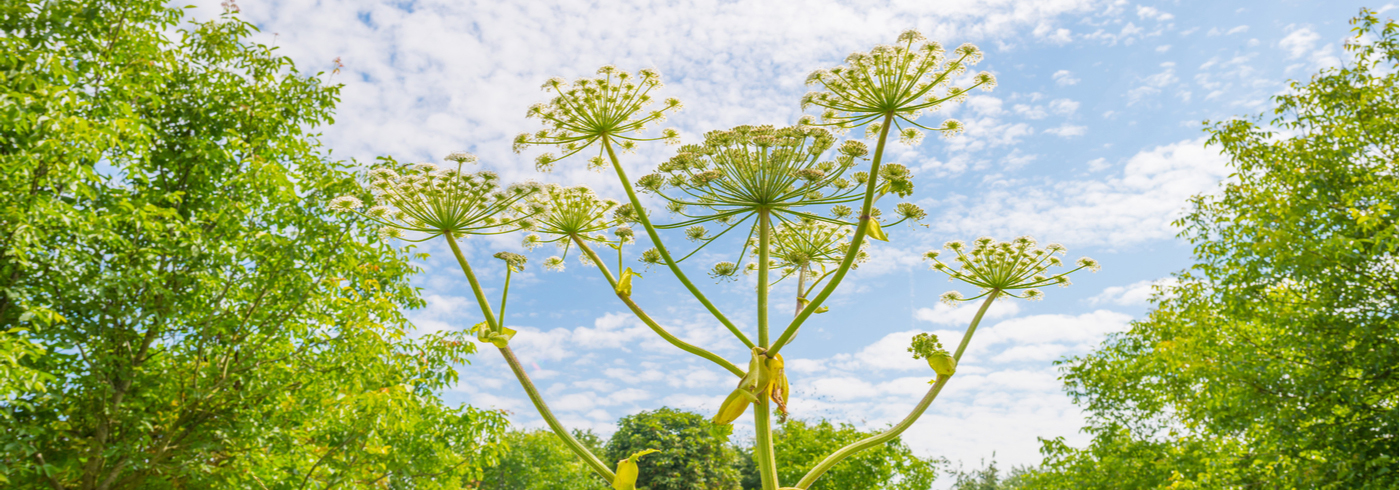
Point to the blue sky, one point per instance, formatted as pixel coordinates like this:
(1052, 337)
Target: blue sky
(1092, 139)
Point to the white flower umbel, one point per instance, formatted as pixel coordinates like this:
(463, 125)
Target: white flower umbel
(613, 106)
(1009, 269)
(430, 201)
(905, 79)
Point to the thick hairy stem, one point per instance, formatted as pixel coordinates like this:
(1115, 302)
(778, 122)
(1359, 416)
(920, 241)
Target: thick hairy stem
(574, 445)
(665, 255)
(850, 251)
(763, 423)
(763, 228)
(763, 454)
(637, 310)
(893, 432)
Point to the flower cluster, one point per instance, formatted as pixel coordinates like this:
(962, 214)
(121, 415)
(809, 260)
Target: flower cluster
(902, 80)
(737, 172)
(612, 106)
(567, 213)
(926, 346)
(1005, 267)
(427, 199)
(514, 261)
(798, 247)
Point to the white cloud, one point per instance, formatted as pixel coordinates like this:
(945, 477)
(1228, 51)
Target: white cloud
(1237, 30)
(1067, 130)
(1063, 107)
(1029, 112)
(1301, 44)
(1131, 295)
(1064, 78)
(1164, 48)
(943, 314)
(1153, 84)
(1146, 12)
(1098, 164)
(1137, 205)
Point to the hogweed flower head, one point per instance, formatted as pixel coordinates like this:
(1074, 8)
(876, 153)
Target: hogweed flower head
(926, 346)
(567, 212)
(737, 172)
(514, 261)
(1016, 268)
(801, 245)
(613, 106)
(424, 198)
(903, 80)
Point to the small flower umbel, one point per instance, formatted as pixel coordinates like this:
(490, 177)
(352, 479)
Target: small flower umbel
(423, 198)
(568, 214)
(926, 346)
(1016, 268)
(902, 80)
(610, 106)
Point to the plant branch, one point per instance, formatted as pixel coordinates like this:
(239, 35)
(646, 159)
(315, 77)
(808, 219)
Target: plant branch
(540, 406)
(886, 436)
(637, 310)
(665, 255)
(851, 251)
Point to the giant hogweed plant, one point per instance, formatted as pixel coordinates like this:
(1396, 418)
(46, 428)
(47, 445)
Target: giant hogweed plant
(804, 201)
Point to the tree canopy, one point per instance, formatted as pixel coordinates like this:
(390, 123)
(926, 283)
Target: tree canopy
(1271, 362)
(180, 308)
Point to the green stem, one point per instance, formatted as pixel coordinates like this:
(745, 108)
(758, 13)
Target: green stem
(763, 226)
(665, 255)
(893, 432)
(850, 251)
(763, 423)
(763, 445)
(471, 278)
(505, 290)
(875, 440)
(967, 337)
(574, 445)
(637, 310)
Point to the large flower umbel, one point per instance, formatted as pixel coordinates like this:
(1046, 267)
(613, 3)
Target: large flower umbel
(425, 198)
(738, 172)
(902, 80)
(1015, 268)
(611, 106)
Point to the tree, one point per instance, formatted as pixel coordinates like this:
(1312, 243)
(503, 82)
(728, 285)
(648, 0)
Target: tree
(990, 478)
(801, 445)
(690, 457)
(168, 262)
(538, 460)
(1272, 363)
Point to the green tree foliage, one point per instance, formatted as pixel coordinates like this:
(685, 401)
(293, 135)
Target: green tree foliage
(990, 478)
(168, 262)
(1273, 362)
(801, 445)
(691, 456)
(539, 460)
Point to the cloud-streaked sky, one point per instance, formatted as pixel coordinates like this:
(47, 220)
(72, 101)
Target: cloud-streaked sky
(1092, 138)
